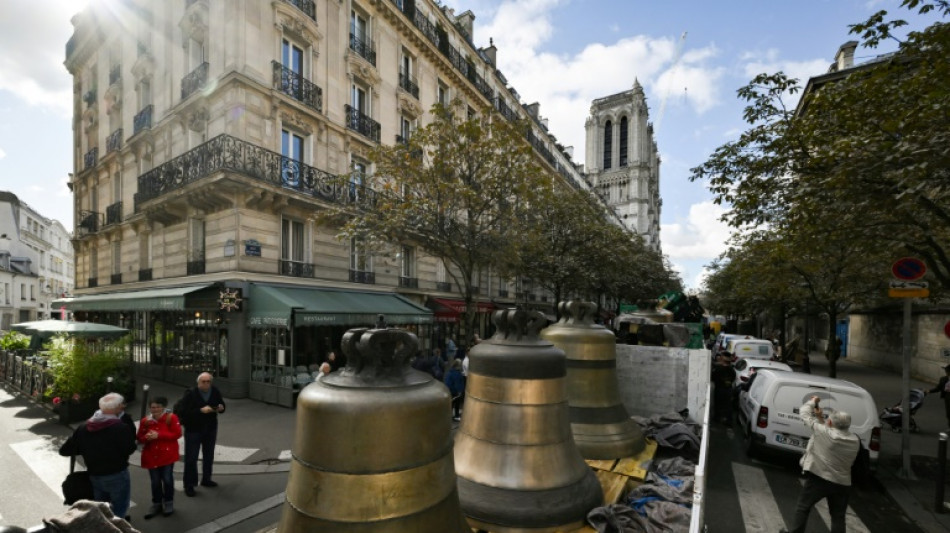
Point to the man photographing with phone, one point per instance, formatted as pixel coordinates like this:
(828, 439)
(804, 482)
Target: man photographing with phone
(826, 464)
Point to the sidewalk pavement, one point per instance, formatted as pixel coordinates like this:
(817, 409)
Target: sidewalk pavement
(915, 496)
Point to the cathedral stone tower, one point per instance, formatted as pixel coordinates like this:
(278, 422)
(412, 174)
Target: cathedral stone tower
(623, 163)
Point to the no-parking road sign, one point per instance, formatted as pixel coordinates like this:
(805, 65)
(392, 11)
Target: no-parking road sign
(908, 269)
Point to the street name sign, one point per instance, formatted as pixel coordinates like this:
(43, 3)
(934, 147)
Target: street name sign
(909, 285)
(908, 293)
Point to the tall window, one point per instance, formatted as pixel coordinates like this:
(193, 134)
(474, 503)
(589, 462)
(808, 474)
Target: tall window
(623, 141)
(292, 57)
(443, 94)
(359, 101)
(405, 128)
(292, 240)
(197, 239)
(196, 53)
(117, 187)
(608, 143)
(356, 180)
(117, 257)
(408, 257)
(291, 147)
(358, 26)
(360, 260)
(145, 93)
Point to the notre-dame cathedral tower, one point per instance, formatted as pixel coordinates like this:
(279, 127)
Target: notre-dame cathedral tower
(622, 161)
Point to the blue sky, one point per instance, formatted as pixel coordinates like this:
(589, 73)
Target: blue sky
(560, 53)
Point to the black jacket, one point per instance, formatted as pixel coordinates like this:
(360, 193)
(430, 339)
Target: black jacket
(105, 445)
(192, 402)
(940, 386)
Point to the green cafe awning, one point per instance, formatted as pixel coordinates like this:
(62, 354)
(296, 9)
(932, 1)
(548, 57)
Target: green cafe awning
(278, 306)
(164, 299)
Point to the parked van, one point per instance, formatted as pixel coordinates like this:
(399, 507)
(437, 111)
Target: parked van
(751, 348)
(722, 340)
(768, 411)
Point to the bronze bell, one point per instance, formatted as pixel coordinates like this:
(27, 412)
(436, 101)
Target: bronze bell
(518, 467)
(601, 426)
(373, 447)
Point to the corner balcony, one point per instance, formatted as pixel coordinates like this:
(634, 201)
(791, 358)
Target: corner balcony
(194, 81)
(114, 214)
(408, 283)
(297, 269)
(307, 6)
(409, 84)
(89, 222)
(90, 159)
(114, 141)
(359, 276)
(360, 123)
(142, 120)
(225, 153)
(297, 87)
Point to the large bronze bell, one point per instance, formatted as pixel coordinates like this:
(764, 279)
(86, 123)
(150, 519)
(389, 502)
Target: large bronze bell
(373, 447)
(600, 423)
(518, 467)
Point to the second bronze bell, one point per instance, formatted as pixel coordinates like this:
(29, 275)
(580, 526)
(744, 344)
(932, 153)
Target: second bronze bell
(518, 467)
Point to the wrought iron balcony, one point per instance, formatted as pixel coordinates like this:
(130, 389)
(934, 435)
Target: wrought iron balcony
(357, 121)
(194, 81)
(443, 286)
(92, 282)
(115, 279)
(115, 74)
(226, 153)
(90, 159)
(307, 6)
(114, 141)
(89, 97)
(114, 214)
(359, 276)
(89, 222)
(503, 293)
(504, 110)
(408, 283)
(142, 120)
(145, 274)
(297, 269)
(409, 84)
(364, 48)
(297, 87)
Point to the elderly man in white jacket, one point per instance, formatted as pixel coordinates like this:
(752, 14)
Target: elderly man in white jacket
(827, 465)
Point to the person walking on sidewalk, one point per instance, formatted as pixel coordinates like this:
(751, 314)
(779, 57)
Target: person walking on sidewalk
(455, 381)
(827, 462)
(200, 408)
(159, 432)
(943, 387)
(105, 443)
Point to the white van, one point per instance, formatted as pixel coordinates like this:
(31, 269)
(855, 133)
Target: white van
(768, 411)
(751, 348)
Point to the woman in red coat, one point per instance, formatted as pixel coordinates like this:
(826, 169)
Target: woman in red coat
(159, 432)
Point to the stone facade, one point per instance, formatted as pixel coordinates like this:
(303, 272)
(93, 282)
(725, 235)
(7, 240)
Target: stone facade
(623, 163)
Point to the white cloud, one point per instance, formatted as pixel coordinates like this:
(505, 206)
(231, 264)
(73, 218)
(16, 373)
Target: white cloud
(2, 153)
(701, 235)
(565, 84)
(756, 63)
(39, 77)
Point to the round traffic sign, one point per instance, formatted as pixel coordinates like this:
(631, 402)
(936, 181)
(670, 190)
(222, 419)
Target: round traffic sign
(908, 269)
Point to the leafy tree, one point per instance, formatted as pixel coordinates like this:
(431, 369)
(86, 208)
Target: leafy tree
(462, 189)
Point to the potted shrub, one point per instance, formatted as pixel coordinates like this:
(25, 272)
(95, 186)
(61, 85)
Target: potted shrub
(9, 344)
(81, 372)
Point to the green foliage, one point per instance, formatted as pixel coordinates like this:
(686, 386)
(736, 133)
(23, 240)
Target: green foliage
(80, 369)
(13, 340)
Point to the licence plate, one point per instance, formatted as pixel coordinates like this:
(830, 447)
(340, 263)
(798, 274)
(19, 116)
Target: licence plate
(791, 441)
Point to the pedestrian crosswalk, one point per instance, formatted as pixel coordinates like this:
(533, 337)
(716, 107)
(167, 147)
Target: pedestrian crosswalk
(760, 511)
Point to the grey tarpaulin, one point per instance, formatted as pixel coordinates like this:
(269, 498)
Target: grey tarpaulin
(86, 516)
(662, 504)
(671, 430)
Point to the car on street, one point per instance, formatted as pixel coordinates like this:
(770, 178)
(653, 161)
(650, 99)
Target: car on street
(746, 369)
(749, 348)
(768, 411)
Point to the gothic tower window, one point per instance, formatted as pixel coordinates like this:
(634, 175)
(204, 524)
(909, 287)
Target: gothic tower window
(608, 144)
(623, 141)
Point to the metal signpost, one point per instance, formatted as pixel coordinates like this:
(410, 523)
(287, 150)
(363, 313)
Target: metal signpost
(907, 271)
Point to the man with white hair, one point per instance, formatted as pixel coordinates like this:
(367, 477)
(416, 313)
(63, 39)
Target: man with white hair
(105, 443)
(200, 408)
(827, 462)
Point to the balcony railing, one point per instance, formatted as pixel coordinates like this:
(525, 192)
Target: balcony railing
(90, 159)
(92, 282)
(142, 120)
(297, 87)
(443, 286)
(408, 283)
(114, 214)
(359, 276)
(363, 47)
(195, 80)
(357, 121)
(297, 269)
(307, 6)
(115, 74)
(145, 274)
(503, 293)
(114, 141)
(504, 110)
(89, 221)
(226, 153)
(409, 84)
(115, 279)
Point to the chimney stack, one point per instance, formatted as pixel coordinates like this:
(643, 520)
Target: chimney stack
(844, 59)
